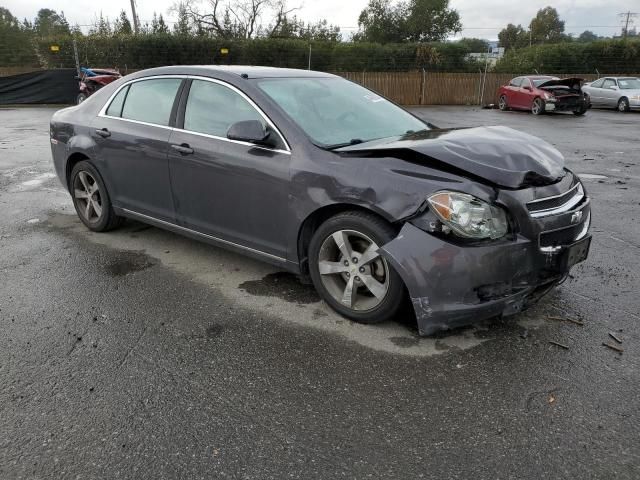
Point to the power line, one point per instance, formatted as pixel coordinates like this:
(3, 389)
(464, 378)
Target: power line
(627, 18)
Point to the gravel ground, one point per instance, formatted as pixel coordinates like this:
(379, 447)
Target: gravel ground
(141, 354)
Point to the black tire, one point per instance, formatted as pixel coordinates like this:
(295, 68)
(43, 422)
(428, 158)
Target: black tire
(81, 98)
(381, 232)
(537, 108)
(623, 105)
(579, 113)
(107, 220)
(502, 103)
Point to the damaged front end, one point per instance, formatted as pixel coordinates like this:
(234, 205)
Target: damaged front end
(564, 95)
(497, 242)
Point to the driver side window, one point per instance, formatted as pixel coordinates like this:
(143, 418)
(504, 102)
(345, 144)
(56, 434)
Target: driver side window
(212, 108)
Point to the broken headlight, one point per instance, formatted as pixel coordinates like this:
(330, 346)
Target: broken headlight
(468, 216)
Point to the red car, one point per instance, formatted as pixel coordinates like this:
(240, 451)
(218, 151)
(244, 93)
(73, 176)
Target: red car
(540, 94)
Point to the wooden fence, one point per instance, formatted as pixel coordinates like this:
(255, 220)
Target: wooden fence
(416, 88)
(424, 88)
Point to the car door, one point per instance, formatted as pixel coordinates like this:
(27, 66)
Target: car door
(131, 136)
(610, 93)
(231, 190)
(513, 90)
(525, 95)
(593, 90)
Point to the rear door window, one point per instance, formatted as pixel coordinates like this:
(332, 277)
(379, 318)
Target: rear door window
(608, 83)
(115, 109)
(212, 108)
(151, 101)
(598, 83)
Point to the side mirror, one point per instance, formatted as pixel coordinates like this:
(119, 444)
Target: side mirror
(613, 87)
(527, 88)
(251, 131)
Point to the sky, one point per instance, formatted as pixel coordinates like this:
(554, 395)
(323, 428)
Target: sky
(480, 18)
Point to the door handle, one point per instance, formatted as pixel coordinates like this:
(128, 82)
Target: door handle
(104, 132)
(184, 149)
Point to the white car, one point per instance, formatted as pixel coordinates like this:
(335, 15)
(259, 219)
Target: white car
(622, 93)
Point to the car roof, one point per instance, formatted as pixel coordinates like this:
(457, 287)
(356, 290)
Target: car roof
(245, 71)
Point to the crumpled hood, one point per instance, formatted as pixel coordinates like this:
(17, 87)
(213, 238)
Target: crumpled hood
(565, 82)
(499, 155)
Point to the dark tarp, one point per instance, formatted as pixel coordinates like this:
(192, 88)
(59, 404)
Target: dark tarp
(44, 86)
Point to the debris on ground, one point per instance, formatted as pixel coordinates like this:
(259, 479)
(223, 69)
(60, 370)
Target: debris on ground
(617, 339)
(566, 347)
(613, 347)
(567, 319)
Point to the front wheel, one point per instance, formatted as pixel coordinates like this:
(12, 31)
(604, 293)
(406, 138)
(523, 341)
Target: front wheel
(91, 199)
(81, 98)
(538, 107)
(623, 105)
(579, 113)
(348, 271)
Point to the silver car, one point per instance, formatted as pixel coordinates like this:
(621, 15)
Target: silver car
(622, 93)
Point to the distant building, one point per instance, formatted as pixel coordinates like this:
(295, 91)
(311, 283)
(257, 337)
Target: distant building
(493, 54)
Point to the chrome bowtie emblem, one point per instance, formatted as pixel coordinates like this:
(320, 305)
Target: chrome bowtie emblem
(576, 217)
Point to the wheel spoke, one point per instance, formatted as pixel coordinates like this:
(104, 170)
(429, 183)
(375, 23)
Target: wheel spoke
(87, 210)
(349, 293)
(342, 241)
(329, 268)
(96, 208)
(85, 181)
(379, 290)
(80, 194)
(370, 254)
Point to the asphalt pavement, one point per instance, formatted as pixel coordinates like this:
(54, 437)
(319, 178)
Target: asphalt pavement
(140, 354)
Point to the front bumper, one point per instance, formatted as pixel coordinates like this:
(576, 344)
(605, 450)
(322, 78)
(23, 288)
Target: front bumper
(452, 285)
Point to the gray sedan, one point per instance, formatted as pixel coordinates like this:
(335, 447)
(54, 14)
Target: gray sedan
(328, 180)
(622, 93)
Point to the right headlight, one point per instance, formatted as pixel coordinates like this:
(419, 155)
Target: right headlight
(468, 216)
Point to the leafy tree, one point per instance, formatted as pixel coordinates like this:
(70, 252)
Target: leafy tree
(474, 45)
(407, 21)
(587, 36)
(295, 28)
(101, 26)
(546, 26)
(158, 25)
(49, 23)
(122, 24)
(15, 39)
(513, 37)
(182, 27)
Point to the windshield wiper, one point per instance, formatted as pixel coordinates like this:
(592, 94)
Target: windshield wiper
(353, 141)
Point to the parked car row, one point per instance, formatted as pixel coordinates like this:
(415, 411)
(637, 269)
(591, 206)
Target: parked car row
(544, 94)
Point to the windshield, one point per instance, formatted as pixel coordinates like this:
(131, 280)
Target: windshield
(629, 83)
(539, 81)
(334, 112)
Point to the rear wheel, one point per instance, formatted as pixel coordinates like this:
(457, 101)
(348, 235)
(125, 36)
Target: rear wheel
(91, 199)
(623, 105)
(538, 107)
(349, 273)
(502, 103)
(81, 98)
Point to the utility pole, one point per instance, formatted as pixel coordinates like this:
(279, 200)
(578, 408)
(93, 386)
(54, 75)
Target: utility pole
(627, 19)
(136, 24)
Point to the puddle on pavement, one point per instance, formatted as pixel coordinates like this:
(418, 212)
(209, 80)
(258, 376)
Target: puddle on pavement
(128, 262)
(256, 286)
(283, 285)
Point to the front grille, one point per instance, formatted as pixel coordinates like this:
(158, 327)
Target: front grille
(565, 236)
(556, 204)
(560, 237)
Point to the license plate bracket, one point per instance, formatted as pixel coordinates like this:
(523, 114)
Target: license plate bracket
(575, 253)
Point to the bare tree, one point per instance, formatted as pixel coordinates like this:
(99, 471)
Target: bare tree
(238, 18)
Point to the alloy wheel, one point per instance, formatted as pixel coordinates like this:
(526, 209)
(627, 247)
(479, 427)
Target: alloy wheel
(86, 193)
(352, 270)
(502, 103)
(537, 107)
(623, 106)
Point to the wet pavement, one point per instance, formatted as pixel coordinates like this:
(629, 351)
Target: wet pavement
(142, 354)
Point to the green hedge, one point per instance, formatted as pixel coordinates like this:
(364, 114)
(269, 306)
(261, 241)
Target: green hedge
(145, 51)
(605, 56)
